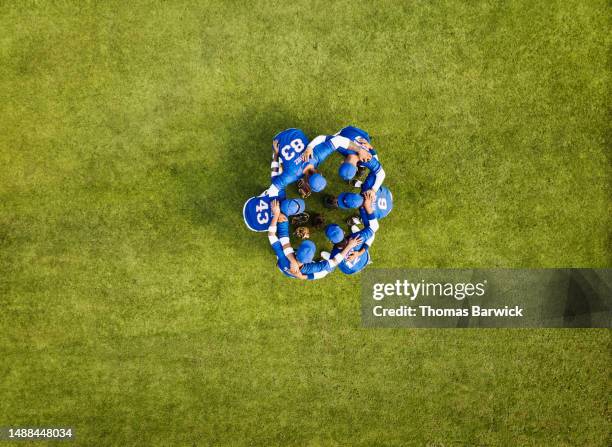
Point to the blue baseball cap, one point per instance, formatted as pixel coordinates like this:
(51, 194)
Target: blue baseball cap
(290, 207)
(306, 252)
(347, 171)
(349, 200)
(317, 182)
(334, 233)
(353, 132)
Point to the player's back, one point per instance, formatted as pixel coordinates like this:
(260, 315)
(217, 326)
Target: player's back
(383, 203)
(351, 267)
(257, 211)
(291, 144)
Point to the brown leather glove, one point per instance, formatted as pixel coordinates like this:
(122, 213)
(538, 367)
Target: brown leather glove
(302, 232)
(303, 188)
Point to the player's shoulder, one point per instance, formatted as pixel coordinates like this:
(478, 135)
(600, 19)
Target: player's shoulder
(386, 192)
(256, 213)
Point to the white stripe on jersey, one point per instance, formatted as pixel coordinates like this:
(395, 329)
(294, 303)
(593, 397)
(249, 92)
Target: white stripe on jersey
(319, 275)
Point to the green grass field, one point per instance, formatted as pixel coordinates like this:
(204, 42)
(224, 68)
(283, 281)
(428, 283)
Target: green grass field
(136, 306)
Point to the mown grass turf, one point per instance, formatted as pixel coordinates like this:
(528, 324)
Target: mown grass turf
(137, 308)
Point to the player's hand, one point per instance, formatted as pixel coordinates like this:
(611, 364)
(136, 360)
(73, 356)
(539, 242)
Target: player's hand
(307, 154)
(295, 267)
(364, 155)
(275, 206)
(355, 241)
(352, 256)
(275, 146)
(369, 195)
(282, 218)
(363, 142)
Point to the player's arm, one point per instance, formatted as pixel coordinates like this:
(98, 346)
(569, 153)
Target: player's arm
(274, 241)
(377, 174)
(366, 235)
(275, 175)
(282, 245)
(279, 183)
(316, 270)
(346, 146)
(368, 204)
(340, 144)
(371, 225)
(307, 154)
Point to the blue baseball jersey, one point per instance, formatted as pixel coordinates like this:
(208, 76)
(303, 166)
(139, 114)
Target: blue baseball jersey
(256, 211)
(291, 144)
(351, 267)
(383, 204)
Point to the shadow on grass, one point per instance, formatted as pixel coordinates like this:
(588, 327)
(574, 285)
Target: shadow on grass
(213, 196)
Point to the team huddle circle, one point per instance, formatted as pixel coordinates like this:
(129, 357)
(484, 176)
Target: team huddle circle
(297, 159)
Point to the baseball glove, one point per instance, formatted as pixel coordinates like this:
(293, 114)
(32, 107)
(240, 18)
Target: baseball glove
(300, 219)
(302, 232)
(303, 188)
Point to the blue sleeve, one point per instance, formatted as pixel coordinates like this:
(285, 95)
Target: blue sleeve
(376, 172)
(370, 221)
(315, 267)
(320, 153)
(365, 234)
(345, 152)
(277, 247)
(334, 252)
(373, 165)
(282, 229)
(281, 181)
(365, 217)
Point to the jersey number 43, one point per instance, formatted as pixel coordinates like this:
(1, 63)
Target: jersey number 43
(263, 216)
(256, 213)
